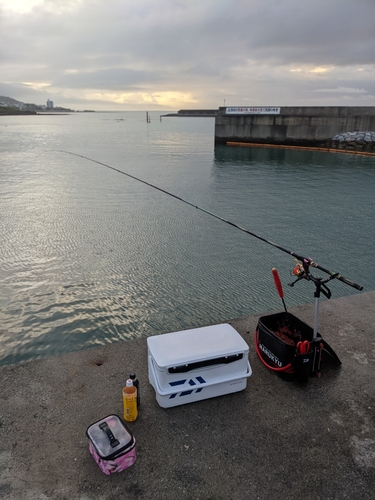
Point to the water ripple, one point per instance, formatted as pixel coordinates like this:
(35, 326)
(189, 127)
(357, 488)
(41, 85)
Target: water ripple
(90, 257)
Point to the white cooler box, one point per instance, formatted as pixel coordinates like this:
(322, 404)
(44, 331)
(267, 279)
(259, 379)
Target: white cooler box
(197, 364)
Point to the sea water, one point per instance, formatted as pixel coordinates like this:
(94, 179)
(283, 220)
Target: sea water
(90, 256)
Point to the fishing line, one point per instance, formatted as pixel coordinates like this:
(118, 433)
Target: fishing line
(306, 261)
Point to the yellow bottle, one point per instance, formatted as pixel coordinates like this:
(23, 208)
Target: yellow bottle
(129, 396)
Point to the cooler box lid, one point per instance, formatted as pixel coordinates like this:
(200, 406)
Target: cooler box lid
(186, 346)
(109, 436)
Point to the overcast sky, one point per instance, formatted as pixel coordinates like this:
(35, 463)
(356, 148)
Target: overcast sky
(173, 54)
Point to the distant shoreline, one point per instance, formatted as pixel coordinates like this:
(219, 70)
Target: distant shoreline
(15, 112)
(40, 113)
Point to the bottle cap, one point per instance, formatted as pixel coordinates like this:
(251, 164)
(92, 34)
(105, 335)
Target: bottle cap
(129, 383)
(132, 376)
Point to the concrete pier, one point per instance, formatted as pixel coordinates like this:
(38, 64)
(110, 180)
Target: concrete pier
(274, 440)
(296, 126)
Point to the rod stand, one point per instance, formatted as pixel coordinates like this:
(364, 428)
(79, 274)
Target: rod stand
(318, 345)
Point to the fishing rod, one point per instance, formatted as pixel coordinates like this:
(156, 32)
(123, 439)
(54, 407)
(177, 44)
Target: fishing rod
(304, 260)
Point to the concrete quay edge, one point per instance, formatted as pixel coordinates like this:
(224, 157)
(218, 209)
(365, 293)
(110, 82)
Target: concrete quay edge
(274, 440)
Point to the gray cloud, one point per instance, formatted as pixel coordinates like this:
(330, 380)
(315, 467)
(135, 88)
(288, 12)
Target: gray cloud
(259, 51)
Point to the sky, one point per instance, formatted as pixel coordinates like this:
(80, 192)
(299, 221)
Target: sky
(187, 54)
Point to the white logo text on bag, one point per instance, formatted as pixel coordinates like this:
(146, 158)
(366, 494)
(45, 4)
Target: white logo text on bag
(272, 357)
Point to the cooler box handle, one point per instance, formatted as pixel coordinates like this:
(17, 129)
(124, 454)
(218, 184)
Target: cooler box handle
(224, 360)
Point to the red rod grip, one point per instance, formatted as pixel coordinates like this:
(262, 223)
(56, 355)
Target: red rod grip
(279, 286)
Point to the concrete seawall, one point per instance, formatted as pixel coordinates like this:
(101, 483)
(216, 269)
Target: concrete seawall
(274, 440)
(297, 126)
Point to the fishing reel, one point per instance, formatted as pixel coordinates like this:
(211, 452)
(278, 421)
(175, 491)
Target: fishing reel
(298, 270)
(301, 271)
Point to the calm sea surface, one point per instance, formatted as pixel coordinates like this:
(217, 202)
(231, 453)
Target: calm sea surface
(89, 256)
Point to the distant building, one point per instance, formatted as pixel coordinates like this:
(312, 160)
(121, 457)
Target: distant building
(49, 104)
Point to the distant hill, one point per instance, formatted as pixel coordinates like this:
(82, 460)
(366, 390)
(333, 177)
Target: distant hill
(9, 100)
(8, 105)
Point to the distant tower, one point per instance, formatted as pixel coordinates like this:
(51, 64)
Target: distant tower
(49, 104)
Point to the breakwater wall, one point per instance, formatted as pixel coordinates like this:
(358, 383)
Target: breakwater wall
(209, 113)
(295, 126)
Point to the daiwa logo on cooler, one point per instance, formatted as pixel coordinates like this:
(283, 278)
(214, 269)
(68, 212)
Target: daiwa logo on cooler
(272, 357)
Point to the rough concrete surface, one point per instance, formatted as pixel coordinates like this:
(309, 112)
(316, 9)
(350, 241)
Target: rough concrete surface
(293, 125)
(274, 440)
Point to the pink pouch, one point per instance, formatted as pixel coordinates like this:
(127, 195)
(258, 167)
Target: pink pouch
(111, 444)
